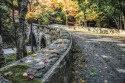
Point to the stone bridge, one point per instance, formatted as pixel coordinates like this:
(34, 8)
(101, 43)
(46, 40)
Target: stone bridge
(42, 35)
(52, 64)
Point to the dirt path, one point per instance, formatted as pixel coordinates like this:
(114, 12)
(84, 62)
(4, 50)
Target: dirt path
(102, 59)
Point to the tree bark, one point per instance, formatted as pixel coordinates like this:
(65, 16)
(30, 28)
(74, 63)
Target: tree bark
(32, 38)
(85, 22)
(14, 24)
(116, 22)
(124, 20)
(66, 20)
(21, 49)
(31, 27)
(2, 59)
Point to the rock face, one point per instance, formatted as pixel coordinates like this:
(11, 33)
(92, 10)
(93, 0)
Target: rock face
(3, 80)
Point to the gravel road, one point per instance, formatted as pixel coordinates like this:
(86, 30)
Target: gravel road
(102, 59)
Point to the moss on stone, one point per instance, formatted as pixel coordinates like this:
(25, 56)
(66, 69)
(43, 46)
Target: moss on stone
(10, 58)
(16, 75)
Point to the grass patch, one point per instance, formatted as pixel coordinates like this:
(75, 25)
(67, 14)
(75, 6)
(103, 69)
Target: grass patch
(10, 58)
(29, 53)
(15, 74)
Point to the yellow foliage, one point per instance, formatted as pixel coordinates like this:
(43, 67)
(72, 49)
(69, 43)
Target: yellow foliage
(69, 7)
(86, 1)
(92, 16)
(58, 5)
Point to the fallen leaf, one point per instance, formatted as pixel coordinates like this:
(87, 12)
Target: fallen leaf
(42, 49)
(46, 54)
(30, 76)
(82, 81)
(25, 74)
(8, 73)
(45, 61)
(34, 54)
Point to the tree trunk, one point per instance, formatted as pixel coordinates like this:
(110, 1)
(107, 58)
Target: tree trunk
(2, 59)
(21, 49)
(65, 6)
(123, 15)
(31, 28)
(124, 22)
(116, 22)
(120, 22)
(14, 25)
(32, 38)
(85, 22)
(13, 17)
(66, 20)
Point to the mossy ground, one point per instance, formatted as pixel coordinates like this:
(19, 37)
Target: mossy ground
(10, 58)
(17, 75)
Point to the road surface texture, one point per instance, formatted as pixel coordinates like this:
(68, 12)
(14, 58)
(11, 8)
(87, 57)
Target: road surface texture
(102, 59)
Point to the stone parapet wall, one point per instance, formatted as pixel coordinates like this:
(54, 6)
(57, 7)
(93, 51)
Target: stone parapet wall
(101, 30)
(105, 30)
(52, 64)
(61, 70)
